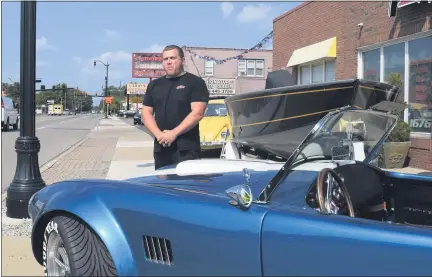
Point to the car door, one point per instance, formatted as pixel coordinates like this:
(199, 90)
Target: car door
(14, 112)
(298, 241)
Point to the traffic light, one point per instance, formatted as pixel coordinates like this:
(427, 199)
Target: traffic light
(42, 87)
(53, 87)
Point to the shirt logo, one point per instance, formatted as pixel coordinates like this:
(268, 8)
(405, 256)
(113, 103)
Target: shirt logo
(180, 87)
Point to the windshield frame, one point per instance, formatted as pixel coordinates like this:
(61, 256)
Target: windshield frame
(291, 161)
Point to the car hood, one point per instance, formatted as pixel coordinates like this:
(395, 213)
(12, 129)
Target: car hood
(194, 185)
(210, 127)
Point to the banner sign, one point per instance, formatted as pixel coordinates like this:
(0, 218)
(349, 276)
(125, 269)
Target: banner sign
(220, 87)
(147, 65)
(133, 88)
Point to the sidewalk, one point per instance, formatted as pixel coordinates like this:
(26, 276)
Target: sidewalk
(112, 151)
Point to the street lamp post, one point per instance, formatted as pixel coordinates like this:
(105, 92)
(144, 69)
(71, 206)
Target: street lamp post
(27, 179)
(106, 83)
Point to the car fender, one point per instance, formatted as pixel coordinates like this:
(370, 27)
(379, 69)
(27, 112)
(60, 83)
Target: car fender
(92, 210)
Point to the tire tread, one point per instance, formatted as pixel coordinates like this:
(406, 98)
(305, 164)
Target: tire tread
(88, 255)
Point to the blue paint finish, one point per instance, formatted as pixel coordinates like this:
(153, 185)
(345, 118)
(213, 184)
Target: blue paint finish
(86, 200)
(296, 242)
(207, 234)
(407, 176)
(210, 237)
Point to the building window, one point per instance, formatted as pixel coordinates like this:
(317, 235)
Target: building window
(407, 64)
(420, 85)
(371, 65)
(319, 72)
(208, 68)
(251, 68)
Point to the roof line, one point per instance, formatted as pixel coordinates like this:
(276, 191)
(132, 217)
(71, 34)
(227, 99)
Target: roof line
(292, 10)
(221, 48)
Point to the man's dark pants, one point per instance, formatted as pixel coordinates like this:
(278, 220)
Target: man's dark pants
(164, 156)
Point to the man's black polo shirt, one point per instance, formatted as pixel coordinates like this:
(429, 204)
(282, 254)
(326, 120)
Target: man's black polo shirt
(171, 101)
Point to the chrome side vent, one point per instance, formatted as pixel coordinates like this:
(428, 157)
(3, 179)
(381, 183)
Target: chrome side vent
(158, 250)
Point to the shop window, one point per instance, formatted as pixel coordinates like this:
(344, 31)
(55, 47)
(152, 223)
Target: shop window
(208, 68)
(371, 65)
(305, 75)
(330, 71)
(251, 68)
(414, 78)
(394, 64)
(317, 72)
(420, 85)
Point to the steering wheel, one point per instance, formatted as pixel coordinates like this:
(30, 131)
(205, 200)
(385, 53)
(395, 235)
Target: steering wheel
(336, 195)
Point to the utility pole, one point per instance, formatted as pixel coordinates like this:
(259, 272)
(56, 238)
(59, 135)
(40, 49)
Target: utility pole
(106, 83)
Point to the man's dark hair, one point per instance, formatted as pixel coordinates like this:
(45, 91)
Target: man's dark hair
(179, 50)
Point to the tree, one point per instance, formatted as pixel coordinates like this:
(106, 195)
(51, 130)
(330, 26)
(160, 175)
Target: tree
(12, 91)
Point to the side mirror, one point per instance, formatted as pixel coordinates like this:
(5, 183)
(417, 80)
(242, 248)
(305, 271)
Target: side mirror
(241, 195)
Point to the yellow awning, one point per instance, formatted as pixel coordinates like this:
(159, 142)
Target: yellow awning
(320, 50)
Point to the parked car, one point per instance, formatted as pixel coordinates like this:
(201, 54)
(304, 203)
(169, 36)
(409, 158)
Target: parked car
(215, 127)
(137, 118)
(9, 113)
(328, 210)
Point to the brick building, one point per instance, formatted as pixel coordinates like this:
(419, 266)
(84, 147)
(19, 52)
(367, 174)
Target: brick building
(370, 40)
(234, 76)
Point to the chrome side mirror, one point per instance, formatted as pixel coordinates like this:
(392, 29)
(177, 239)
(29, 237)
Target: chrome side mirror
(241, 195)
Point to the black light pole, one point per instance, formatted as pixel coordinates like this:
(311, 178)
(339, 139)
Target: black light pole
(106, 83)
(27, 179)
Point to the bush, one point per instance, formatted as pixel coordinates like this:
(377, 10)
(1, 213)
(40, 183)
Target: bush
(401, 133)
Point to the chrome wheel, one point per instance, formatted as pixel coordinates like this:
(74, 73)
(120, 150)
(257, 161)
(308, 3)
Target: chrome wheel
(57, 258)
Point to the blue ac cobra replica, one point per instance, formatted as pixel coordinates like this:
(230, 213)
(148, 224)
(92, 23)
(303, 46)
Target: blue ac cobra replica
(327, 210)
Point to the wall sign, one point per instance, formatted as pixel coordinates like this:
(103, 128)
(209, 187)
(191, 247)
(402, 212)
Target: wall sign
(220, 86)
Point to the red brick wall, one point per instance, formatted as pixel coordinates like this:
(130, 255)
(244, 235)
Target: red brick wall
(420, 158)
(313, 22)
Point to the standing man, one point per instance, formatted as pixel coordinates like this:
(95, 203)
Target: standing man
(179, 100)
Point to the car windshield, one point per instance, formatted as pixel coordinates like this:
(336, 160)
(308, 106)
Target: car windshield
(216, 110)
(357, 130)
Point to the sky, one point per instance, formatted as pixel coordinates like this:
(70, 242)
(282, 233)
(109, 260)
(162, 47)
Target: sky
(70, 35)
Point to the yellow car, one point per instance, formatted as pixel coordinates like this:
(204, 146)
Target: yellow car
(215, 127)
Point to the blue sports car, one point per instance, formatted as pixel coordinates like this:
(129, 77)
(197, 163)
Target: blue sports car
(327, 210)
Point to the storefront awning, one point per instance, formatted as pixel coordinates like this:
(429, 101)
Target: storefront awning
(320, 50)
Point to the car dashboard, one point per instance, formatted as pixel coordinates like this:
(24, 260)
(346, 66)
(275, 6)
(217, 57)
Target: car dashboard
(379, 196)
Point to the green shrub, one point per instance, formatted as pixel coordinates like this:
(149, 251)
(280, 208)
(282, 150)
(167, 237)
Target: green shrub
(401, 133)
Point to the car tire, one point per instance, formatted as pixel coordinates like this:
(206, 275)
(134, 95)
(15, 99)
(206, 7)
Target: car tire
(71, 248)
(15, 126)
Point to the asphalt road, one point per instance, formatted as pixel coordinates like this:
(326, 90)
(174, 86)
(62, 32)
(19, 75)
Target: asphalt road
(55, 133)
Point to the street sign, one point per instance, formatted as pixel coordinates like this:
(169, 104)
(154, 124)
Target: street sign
(108, 100)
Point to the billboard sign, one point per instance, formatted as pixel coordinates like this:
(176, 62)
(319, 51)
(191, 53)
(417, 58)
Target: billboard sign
(147, 65)
(220, 86)
(133, 88)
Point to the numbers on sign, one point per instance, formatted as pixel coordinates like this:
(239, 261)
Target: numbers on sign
(421, 123)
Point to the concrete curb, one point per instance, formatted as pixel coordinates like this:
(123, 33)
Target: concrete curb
(51, 162)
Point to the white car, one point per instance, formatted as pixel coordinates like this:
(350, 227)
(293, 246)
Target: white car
(9, 113)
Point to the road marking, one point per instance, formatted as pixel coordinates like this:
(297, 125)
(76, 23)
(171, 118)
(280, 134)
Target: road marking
(50, 163)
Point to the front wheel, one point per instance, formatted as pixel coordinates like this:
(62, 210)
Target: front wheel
(71, 248)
